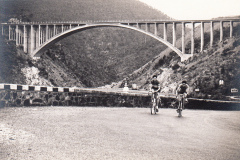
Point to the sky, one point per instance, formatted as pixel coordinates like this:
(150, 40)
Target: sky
(196, 9)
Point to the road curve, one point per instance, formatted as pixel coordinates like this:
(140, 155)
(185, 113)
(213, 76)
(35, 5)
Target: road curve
(87, 133)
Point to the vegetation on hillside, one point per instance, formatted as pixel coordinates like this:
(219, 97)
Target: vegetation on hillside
(203, 71)
(11, 63)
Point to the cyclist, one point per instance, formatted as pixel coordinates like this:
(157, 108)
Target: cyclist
(182, 89)
(155, 87)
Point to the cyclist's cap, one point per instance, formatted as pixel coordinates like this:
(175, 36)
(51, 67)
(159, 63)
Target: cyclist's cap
(154, 76)
(184, 81)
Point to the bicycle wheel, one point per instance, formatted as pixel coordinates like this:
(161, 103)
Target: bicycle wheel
(153, 108)
(180, 108)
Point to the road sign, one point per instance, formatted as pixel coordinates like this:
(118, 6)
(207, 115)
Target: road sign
(234, 90)
(221, 82)
(197, 90)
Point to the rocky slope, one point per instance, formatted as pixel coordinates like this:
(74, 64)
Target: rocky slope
(203, 71)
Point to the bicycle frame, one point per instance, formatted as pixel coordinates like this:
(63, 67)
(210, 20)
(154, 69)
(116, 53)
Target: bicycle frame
(154, 97)
(181, 104)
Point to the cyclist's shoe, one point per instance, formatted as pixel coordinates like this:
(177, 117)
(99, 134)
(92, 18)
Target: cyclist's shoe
(186, 100)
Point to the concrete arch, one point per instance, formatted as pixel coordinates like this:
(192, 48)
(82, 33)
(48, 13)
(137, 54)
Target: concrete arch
(37, 52)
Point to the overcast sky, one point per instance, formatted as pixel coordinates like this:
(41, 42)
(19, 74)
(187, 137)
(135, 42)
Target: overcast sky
(196, 9)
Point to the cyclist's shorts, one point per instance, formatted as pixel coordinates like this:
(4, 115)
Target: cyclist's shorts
(157, 95)
(179, 96)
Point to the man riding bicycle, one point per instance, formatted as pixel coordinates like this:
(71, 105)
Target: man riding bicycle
(155, 87)
(182, 91)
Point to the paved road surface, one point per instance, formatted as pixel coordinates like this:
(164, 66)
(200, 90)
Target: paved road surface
(76, 133)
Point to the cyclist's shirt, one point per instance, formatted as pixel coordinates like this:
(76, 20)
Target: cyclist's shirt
(155, 84)
(182, 88)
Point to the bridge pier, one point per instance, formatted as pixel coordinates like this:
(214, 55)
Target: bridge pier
(231, 29)
(17, 35)
(47, 36)
(147, 27)
(202, 36)
(174, 34)
(192, 38)
(12, 33)
(25, 39)
(32, 40)
(165, 31)
(183, 37)
(40, 36)
(221, 31)
(156, 29)
(54, 29)
(211, 33)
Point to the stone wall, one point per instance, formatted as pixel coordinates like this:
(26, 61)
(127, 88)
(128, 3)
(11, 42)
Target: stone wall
(14, 95)
(22, 95)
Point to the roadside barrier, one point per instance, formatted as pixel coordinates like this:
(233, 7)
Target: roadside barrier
(14, 95)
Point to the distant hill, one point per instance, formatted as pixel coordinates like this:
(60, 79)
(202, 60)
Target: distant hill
(79, 10)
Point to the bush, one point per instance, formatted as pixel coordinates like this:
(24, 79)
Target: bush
(175, 66)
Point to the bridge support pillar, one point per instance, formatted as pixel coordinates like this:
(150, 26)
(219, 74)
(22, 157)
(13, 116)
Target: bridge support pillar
(47, 33)
(202, 36)
(192, 39)
(39, 36)
(54, 29)
(138, 26)
(231, 29)
(211, 33)
(17, 35)
(156, 29)
(165, 31)
(174, 34)
(183, 37)
(20, 36)
(25, 42)
(9, 32)
(221, 31)
(32, 40)
(147, 27)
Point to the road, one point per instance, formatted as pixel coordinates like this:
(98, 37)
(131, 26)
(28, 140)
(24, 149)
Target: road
(89, 133)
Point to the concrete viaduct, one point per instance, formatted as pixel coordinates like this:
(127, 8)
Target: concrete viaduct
(35, 37)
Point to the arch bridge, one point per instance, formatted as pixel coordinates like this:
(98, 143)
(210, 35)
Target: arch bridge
(35, 37)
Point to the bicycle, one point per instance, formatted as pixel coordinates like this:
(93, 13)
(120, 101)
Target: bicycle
(181, 104)
(154, 96)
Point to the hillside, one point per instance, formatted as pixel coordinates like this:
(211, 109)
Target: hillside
(203, 71)
(109, 52)
(18, 68)
(78, 10)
